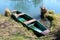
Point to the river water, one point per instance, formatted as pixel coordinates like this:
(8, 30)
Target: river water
(52, 5)
(30, 7)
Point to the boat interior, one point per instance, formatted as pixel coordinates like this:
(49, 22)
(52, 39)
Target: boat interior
(37, 25)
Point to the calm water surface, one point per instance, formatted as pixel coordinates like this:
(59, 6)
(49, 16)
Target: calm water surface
(30, 7)
(52, 5)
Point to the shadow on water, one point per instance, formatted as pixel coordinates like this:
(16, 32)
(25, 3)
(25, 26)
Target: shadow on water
(36, 33)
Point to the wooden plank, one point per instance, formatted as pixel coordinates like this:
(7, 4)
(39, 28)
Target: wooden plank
(30, 21)
(17, 15)
(45, 32)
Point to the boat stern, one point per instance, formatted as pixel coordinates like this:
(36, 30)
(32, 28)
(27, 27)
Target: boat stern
(46, 32)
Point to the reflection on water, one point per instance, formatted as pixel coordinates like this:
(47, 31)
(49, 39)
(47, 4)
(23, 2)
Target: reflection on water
(31, 7)
(52, 5)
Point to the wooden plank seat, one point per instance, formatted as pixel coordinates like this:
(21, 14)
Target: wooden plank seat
(30, 21)
(17, 15)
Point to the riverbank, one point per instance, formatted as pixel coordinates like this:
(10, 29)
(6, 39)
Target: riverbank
(11, 30)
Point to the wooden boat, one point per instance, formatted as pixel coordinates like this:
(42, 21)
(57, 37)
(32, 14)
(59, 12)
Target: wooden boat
(30, 22)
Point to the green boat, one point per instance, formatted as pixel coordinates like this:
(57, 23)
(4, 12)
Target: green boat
(30, 22)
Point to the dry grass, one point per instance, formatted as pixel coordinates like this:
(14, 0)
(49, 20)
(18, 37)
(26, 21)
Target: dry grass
(11, 30)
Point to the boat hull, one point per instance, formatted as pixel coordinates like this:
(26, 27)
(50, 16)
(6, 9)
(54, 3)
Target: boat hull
(31, 23)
